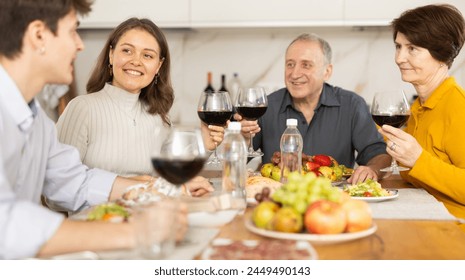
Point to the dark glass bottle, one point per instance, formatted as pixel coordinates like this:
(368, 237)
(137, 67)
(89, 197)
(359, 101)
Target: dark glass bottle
(223, 83)
(209, 87)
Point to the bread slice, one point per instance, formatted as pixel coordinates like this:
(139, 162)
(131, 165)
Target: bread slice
(255, 184)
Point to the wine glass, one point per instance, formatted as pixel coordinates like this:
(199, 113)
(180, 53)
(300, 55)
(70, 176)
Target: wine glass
(180, 158)
(391, 108)
(215, 108)
(251, 104)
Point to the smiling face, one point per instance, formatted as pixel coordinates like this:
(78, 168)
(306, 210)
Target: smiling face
(61, 50)
(305, 69)
(135, 59)
(416, 64)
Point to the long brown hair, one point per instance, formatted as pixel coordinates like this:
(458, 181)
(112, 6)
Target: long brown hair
(158, 96)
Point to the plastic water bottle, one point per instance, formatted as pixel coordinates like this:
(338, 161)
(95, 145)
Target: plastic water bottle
(234, 159)
(291, 150)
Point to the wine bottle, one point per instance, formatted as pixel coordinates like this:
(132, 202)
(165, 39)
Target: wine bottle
(209, 87)
(234, 86)
(223, 83)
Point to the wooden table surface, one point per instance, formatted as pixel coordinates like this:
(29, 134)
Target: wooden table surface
(393, 240)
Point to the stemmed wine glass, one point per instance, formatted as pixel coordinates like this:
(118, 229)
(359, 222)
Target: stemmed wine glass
(251, 104)
(215, 108)
(391, 108)
(180, 158)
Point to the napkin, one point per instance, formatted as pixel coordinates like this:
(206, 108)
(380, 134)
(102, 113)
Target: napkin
(412, 204)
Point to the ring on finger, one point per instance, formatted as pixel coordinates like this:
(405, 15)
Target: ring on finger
(393, 147)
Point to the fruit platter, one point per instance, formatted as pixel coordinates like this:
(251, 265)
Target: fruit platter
(309, 208)
(320, 165)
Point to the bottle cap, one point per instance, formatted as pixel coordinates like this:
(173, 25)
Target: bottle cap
(291, 122)
(234, 126)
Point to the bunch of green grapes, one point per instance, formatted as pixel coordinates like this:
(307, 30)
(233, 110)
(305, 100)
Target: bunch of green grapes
(302, 190)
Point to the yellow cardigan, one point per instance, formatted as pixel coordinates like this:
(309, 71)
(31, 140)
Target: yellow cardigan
(439, 127)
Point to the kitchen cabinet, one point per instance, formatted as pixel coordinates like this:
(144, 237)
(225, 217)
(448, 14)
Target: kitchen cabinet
(266, 13)
(110, 13)
(382, 12)
(252, 13)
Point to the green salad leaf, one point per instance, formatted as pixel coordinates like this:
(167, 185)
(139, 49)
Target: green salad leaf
(369, 188)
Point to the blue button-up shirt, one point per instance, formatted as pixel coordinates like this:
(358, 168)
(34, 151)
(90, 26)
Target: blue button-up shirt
(34, 163)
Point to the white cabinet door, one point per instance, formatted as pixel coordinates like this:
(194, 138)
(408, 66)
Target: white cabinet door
(110, 13)
(266, 13)
(382, 12)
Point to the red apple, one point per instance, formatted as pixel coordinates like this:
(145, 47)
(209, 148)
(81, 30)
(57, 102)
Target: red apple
(358, 215)
(325, 217)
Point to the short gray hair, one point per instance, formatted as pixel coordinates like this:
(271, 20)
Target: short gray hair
(325, 47)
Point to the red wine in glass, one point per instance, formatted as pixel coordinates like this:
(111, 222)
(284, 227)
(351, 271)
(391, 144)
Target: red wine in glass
(251, 104)
(392, 120)
(215, 108)
(218, 118)
(180, 158)
(391, 108)
(251, 113)
(178, 171)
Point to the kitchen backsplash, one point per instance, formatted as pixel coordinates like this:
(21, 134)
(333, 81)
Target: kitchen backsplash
(363, 60)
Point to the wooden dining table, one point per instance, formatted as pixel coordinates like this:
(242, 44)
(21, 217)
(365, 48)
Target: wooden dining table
(393, 240)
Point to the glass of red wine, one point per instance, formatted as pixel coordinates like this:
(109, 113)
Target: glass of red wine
(391, 108)
(180, 158)
(251, 104)
(215, 108)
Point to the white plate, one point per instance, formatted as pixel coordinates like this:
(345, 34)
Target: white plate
(211, 219)
(393, 194)
(316, 239)
(249, 245)
(251, 201)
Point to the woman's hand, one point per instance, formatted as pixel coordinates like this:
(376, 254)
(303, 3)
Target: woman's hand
(212, 135)
(402, 146)
(199, 186)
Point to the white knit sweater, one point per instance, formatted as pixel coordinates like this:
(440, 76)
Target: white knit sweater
(112, 131)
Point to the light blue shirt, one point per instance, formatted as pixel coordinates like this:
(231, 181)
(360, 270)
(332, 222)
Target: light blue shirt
(33, 163)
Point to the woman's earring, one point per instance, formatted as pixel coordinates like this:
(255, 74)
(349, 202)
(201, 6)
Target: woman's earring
(110, 69)
(156, 78)
(42, 50)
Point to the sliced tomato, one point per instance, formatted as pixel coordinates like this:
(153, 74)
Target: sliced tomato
(367, 194)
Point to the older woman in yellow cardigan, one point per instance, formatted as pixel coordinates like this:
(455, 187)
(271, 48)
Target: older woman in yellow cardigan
(427, 40)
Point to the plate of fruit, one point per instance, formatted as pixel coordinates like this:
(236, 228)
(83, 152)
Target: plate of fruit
(321, 165)
(309, 208)
(316, 239)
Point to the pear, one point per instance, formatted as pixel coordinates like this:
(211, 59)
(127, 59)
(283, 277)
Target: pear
(287, 219)
(263, 213)
(276, 173)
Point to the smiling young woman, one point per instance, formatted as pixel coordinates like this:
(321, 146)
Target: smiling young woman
(115, 126)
